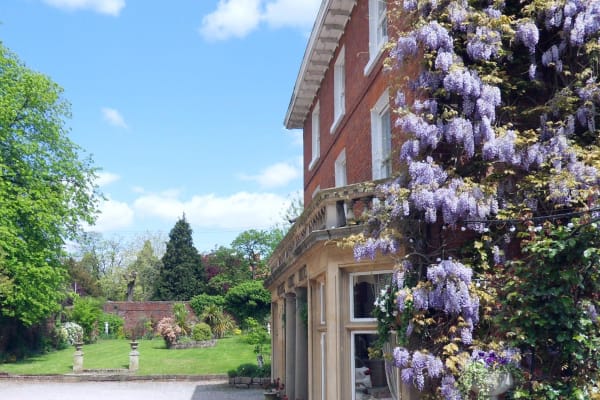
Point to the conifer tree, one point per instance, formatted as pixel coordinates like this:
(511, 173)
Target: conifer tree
(181, 273)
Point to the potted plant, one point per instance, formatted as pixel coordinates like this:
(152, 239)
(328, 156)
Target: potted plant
(274, 390)
(489, 373)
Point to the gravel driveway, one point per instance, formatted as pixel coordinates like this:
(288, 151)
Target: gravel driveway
(132, 390)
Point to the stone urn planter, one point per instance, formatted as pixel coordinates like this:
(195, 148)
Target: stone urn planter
(270, 395)
(498, 384)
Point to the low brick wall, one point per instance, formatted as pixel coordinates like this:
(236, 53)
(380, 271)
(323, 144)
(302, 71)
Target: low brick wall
(136, 312)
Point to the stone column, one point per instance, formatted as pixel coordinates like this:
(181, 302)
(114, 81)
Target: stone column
(290, 345)
(134, 357)
(78, 358)
(301, 376)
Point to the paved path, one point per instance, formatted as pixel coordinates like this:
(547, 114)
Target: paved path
(133, 390)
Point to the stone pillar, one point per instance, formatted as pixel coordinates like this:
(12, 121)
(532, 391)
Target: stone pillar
(134, 357)
(290, 345)
(301, 375)
(78, 358)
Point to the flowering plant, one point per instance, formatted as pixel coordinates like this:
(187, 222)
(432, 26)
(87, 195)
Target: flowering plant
(73, 332)
(497, 105)
(484, 369)
(169, 330)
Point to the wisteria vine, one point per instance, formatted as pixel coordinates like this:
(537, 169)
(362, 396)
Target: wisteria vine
(499, 123)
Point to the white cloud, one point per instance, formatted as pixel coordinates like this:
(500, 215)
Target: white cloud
(114, 117)
(237, 18)
(108, 7)
(232, 18)
(106, 178)
(114, 215)
(238, 211)
(276, 175)
(294, 13)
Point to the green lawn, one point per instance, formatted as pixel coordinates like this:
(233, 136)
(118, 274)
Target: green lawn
(155, 359)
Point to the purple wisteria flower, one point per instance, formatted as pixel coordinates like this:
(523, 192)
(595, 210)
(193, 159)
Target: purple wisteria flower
(485, 44)
(434, 36)
(406, 47)
(448, 388)
(528, 34)
(458, 14)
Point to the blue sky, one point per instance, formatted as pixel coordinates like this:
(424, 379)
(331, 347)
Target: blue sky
(181, 104)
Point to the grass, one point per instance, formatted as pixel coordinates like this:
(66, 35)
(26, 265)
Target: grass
(155, 358)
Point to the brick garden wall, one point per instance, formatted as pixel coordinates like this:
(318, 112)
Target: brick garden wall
(135, 313)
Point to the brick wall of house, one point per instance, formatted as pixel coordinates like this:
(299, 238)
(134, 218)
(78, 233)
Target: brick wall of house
(136, 312)
(353, 133)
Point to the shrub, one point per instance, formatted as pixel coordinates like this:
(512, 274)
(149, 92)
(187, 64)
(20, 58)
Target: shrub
(115, 325)
(249, 299)
(220, 322)
(60, 337)
(86, 312)
(201, 301)
(201, 331)
(169, 330)
(256, 335)
(264, 371)
(250, 370)
(181, 313)
(73, 332)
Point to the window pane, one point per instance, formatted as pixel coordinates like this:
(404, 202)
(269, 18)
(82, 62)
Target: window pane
(386, 139)
(365, 290)
(370, 380)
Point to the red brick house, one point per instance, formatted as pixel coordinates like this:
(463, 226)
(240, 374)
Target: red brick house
(321, 297)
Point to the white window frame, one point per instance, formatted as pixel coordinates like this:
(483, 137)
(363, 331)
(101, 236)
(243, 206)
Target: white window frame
(351, 292)
(341, 177)
(339, 89)
(315, 136)
(353, 356)
(381, 138)
(316, 192)
(378, 35)
(322, 302)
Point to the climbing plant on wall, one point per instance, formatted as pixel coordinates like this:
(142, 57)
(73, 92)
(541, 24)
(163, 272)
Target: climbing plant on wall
(493, 214)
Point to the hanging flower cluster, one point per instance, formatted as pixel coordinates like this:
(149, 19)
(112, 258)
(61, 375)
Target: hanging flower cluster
(499, 120)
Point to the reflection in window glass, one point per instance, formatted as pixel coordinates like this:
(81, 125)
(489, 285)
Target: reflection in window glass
(365, 288)
(370, 380)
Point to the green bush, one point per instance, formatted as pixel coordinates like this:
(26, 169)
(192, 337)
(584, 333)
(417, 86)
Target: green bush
(256, 334)
(248, 299)
(115, 326)
(87, 311)
(265, 371)
(201, 301)
(250, 370)
(220, 322)
(201, 331)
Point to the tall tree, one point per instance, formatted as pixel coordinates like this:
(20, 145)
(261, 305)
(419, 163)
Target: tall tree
(146, 268)
(46, 191)
(181, 273)
(256, 246)
(224, 268)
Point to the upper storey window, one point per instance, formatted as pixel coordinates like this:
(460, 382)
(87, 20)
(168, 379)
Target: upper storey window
(339, 89)
(378, 34)
(315, 136)
(381, 138)
(340, 170)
